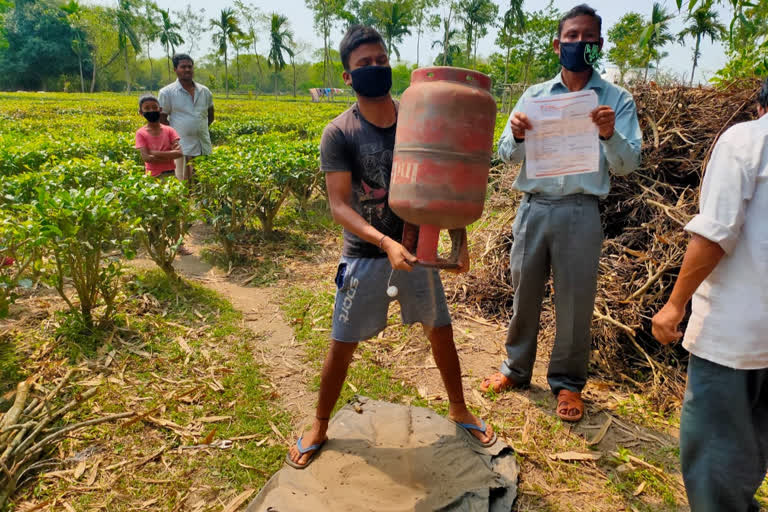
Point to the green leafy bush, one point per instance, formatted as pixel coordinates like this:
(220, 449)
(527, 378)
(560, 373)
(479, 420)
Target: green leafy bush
(20, 243)
(163, 212)
(84, 231)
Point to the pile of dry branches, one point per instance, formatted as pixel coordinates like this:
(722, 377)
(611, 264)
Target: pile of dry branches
(643, 219)
(33, 426)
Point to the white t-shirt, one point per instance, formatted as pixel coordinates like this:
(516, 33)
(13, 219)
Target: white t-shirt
(729, 323)
(188, 116)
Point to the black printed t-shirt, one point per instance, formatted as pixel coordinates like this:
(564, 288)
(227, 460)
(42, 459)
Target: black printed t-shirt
(351, 144)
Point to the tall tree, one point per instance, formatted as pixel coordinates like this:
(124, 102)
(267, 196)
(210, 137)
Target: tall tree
(703, 22)
(656, 35)
(512, 23)
(226, 29)
(448, 46)
(326, 14)
(477, 16)
(624, 36)
(39, 38)
(424, 19)
(126, 35)
(169, 37)
(281, 40)
(192, 22)
(148, 28)
(253, 20)
(393, 18)
(79, 46)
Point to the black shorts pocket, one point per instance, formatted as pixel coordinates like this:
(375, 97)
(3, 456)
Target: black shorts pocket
(341, 272)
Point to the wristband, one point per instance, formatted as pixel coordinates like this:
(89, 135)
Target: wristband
(381, 242)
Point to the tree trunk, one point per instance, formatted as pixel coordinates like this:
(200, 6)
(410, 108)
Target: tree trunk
(506, 67)
(275, 83)
(647, 65)
(237, 64)
(82, 80)
(226, 73)
(293, 63)
(93, 76)
(418, 43)
(168, 63)
(695, 58)
(127, 72)
(149, 57)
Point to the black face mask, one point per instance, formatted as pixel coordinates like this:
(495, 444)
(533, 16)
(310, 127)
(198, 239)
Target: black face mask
(372, 81)
(152, 117)
(578, 57)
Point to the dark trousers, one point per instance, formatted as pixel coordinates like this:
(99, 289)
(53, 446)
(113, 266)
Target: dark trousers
(564, 235)
(724, 436)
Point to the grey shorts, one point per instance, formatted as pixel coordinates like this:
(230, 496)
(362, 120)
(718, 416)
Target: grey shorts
(362, 303)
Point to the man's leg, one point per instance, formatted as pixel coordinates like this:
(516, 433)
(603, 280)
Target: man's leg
(575, 262)
(360, 312)
(529, 266)
(723, 436)
(447, 361)
(186, 167)
(332, 379)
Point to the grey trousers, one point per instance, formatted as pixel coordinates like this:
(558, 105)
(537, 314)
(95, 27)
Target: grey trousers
(563, 234)
(724, 436)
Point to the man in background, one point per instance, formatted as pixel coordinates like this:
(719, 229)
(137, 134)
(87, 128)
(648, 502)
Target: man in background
(558, 227)
(187, 107)
(724, 422)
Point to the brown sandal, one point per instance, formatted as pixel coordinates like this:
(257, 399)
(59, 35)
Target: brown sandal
(570, 406)
(499, 383)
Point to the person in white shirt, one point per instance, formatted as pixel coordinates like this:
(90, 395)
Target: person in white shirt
(724, 421)
(187, 107)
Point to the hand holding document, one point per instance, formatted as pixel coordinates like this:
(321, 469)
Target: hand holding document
(564, 139)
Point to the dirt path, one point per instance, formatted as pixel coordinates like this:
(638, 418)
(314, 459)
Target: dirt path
(614, 420)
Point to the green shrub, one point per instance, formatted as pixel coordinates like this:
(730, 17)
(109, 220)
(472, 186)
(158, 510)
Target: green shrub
(20, 243)
(84, 231)
(163, 212)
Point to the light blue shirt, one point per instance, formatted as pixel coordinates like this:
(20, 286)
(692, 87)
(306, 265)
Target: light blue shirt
(620, 153)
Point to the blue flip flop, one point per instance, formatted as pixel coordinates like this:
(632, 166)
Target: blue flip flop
(302, 451)
(482, 428)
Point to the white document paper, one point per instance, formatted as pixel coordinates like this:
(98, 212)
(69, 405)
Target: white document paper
(564, 140)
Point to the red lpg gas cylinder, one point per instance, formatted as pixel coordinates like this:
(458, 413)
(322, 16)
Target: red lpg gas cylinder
(443, 149)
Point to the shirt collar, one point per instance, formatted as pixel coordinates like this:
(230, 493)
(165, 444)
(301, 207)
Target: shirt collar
(178, 85)
(595, 82)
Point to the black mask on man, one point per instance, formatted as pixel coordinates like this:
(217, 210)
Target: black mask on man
(372, 81)
(580, 56)
(152, 116)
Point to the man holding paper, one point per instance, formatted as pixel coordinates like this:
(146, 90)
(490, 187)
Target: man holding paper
(569, 133)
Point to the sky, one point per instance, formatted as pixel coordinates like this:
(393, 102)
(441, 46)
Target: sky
(679, 61)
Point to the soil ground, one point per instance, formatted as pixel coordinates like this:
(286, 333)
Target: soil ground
(262, 339)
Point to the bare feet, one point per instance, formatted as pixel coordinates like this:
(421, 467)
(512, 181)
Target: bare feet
(498, 382)
(460, 414)
(315, 436)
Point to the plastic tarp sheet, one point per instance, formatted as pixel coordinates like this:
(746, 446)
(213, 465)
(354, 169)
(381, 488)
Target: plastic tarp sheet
(387, 457)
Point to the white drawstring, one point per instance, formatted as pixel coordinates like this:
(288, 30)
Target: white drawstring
(391, 290)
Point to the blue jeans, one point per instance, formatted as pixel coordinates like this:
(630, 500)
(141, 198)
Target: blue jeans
(724, 436)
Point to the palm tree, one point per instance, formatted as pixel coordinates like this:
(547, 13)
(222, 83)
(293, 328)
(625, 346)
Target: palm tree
(149, 29)
(702, 22)
(126, 35)
(73, 10)
(476, 15)
(513, 22)
(228, 29)
(394, 18)
(169, 38)
(448, 48)
(656, 35)
(281, 39)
